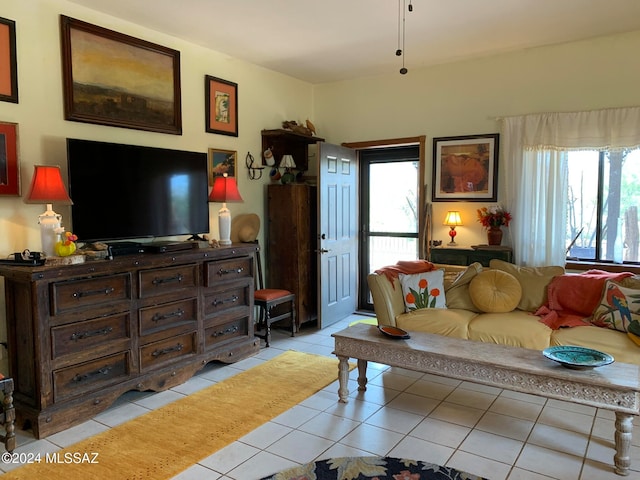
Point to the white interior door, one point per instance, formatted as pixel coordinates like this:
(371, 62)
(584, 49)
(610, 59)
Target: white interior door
(337, 232)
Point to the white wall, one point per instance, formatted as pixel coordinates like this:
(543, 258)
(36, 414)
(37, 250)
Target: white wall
(465, 98)
(265, 100)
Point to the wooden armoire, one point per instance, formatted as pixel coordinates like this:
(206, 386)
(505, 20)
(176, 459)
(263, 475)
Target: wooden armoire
(291, 245)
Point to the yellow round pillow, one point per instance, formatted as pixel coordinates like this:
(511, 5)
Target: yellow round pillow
(495, 291)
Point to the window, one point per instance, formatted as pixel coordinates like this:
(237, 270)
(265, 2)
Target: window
(603, 199)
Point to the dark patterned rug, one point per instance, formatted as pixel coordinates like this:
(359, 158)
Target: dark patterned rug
(371, 468)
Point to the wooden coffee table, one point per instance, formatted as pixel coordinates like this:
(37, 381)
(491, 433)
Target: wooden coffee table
(613, 387)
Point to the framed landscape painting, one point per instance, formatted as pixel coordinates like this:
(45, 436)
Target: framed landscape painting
(465, 168)
(113, 79)
(221, 162)
(221, 106)
(8, 64)
(9, 168)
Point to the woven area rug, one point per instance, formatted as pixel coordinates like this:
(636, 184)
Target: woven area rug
(371, 468)
(166, 441)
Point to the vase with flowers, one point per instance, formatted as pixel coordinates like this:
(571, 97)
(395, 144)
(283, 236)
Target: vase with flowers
(65, 245)
(492, 218)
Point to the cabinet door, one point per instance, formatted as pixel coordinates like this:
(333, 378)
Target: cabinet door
(291, 245)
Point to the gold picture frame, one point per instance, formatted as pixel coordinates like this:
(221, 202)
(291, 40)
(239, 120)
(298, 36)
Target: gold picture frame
(220, 162)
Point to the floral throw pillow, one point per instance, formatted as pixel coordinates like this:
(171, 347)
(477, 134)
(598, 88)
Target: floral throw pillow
(618, 307)
(423, 290)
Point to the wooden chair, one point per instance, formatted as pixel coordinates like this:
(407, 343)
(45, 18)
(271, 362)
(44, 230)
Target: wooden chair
(270, 299)
(7, 414)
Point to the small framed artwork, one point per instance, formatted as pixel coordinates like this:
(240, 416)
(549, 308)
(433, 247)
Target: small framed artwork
(8, 65)
(221, 106)
(9, 167)
(465, 168)
(114, 79)
(221, 162)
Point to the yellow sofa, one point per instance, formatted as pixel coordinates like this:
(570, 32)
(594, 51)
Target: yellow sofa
(518, 327)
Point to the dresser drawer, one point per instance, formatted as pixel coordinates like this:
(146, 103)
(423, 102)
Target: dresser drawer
(171, 349)
(90, 376)
(225, 270)
(166, 280)
(89, 292)
(220, 301)
(84, 336)
(168, 315)
(225, 331)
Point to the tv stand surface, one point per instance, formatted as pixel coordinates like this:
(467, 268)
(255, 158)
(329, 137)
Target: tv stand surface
(82, 335)
(168, 246)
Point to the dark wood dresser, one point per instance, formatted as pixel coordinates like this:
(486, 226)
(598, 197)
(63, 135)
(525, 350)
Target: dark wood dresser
(81, 335)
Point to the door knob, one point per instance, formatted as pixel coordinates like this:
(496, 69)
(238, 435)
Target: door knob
(323, 250)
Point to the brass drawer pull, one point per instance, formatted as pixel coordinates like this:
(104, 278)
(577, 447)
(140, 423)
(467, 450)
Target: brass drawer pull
(88, 293)
(83, 335)
(95, 373)
(158, 317)
(227, 331)
(160, 281)
(217, 302)
(164, 351)
(227, 271)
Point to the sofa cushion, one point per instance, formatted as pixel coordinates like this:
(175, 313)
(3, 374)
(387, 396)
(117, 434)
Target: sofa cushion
(457, 293)
(534, 282)
(613, 342)
(423, 290)
(495, 291)
(516, 328)
(450, 322)
(617, 308)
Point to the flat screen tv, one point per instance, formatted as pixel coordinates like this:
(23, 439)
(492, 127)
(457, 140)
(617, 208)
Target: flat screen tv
(128, 192)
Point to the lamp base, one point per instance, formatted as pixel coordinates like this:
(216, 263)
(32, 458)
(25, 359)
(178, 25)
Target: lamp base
(224, 225)
(452, 234)
(49, 221)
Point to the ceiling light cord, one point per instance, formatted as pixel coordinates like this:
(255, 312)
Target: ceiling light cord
(401, 50)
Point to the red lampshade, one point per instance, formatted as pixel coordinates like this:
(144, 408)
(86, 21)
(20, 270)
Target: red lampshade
(225, 190)
(47, 186)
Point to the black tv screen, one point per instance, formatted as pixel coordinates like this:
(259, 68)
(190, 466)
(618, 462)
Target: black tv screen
(127, 191)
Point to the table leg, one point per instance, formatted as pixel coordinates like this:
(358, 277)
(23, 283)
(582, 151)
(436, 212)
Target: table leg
(343, 378)
(624, 429)
(362, 375)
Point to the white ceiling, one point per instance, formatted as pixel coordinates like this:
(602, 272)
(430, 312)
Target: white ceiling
(329, 40)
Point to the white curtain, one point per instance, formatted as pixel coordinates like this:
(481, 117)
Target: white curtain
(535, 171)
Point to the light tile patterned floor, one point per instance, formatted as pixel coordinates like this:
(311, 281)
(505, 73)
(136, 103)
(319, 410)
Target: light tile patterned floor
(483, 430)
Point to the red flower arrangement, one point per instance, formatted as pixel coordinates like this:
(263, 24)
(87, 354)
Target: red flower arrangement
(493, 217)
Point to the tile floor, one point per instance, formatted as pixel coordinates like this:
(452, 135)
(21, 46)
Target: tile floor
(482, 430)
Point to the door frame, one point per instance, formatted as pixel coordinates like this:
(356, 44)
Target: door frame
(423, 207)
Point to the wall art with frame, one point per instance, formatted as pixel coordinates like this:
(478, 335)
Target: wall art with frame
(114, 79)
(8, 63)
(465, 168)
(9, 166)
(221, 106)
(221, 162)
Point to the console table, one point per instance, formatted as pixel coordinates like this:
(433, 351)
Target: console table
(613, 387)
(466, 256)
(81, 335)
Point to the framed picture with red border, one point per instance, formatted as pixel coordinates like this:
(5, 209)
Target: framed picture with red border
(9, 167)
(221, 106)
(8, 65)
